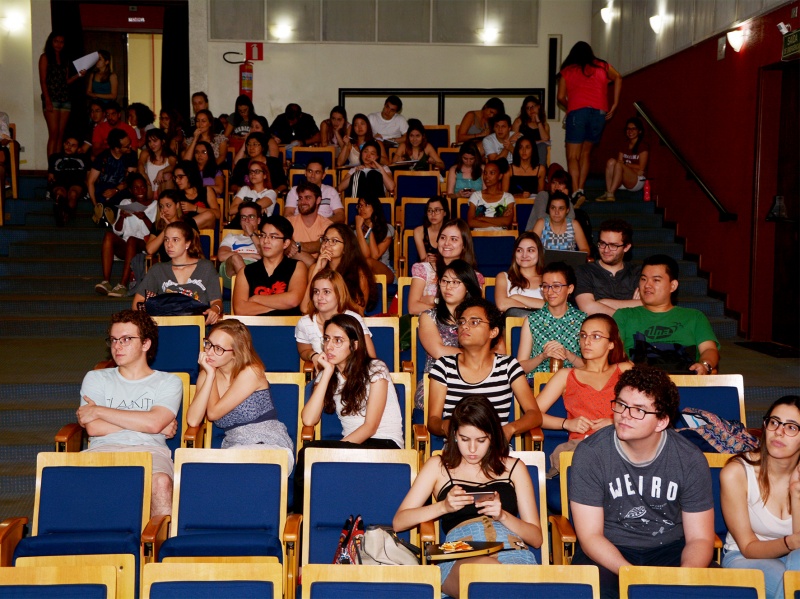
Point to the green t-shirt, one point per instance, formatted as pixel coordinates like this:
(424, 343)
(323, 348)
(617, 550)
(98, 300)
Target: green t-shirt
(683, 326)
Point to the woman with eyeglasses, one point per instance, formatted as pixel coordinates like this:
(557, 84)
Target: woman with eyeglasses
(552, 332)
(518, 291)
(276, 284)
(438, 331)
(426, 236)
(357, 388)
(259, 145)
(480, 368)
(339, 251)
(329, 296)
(187, 272)
(197, 201)
(233, 392)
(626, 171)
(588, 390)
(258, 190)
(760, 492)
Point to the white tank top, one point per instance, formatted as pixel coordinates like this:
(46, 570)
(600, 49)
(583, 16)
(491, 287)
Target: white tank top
(153, 170)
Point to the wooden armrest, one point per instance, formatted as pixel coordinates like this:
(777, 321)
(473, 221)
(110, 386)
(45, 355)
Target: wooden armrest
(427, 532)
(69, 438)
(291, 531)
(564, 528)
(154, 534)
(11, 531)
(407, 366)
(537, 434)
(308, 366)
(421, 434)
(717, 542)
(291, 539)
(194, 437)
(307, 433)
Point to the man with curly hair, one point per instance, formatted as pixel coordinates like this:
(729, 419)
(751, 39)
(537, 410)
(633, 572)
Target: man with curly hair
(133, 407)
(640, 493)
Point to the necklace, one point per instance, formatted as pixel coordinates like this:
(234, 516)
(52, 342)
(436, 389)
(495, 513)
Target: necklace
(183, 265)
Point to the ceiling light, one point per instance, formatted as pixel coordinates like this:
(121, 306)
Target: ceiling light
(283, 31)
(490, 35)
(656, 23)
(606, 14)
(735, 39)
(13, 22)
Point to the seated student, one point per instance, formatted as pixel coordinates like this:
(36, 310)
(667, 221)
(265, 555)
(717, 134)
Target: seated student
(133, 407)
(426, 235)
(525, 177)
(339, 251)
(556, 230)
(141, 119)
(375, 237)
(239, 124)
(476, 124)
(197, 201)
(388, 124)
(335, 129)
(127, 237)
(559, 181)
(237, 251)
(171, 123)
(475, 459)
(588, 390)
(640, 493)
(96, 116)
(114, 120)
(204, 131)
(309, 226)
(532, 123)
(258, 146)
(438, 330)
(552, 332)
(415, 146)
(233, 392)
(329, 296)
(500, 144)
(209, 169)
(330, 206)
(466, 175)
(478, 367)
(274, 285)
(157, 162)
(359, 133)
(295, 128)
(760, 493)
(518, 291)
(259, 124)
(455, 242)
(106, 178)
(357, 388)
(66, 180)
(677, 339)
(187, 273)
(259, 190)
(491, 209)
(627, 171)
(370, 178)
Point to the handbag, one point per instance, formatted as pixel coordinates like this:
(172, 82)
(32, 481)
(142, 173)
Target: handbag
(382, 547)
(347, 551)
(173, 304)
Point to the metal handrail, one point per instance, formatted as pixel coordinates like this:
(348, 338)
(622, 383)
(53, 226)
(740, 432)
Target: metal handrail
(724, 215)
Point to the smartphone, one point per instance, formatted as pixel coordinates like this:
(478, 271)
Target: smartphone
(479, 496)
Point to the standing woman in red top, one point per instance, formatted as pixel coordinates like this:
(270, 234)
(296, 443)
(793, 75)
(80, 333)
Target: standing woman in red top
(583, 89)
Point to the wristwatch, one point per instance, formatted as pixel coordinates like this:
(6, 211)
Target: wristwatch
(709, 367)
(299, 246)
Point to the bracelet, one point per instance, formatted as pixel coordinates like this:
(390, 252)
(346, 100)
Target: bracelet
(311, 357)
(217, 306)
(563, 422)
(785, 542)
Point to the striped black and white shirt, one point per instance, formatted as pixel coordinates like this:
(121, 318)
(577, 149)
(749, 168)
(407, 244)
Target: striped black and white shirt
(496, 387)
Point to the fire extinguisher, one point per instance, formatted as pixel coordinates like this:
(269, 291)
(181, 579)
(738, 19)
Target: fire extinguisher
(245, 74)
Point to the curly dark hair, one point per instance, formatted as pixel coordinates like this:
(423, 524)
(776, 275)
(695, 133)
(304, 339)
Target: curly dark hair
(356, 372)
(477, 411)
(493, 314)
(148, 329)
(655, 384)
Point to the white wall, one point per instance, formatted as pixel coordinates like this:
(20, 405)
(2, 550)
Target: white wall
(311, 74)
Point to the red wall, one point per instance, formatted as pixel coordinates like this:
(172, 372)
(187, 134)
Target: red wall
(708, 108)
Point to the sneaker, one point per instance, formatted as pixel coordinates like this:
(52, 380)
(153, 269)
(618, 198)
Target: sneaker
(119, 290)
(578, 198)
(103, 288)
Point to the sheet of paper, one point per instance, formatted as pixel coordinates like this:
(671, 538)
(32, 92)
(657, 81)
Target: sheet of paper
(84, 63)
(132, 208)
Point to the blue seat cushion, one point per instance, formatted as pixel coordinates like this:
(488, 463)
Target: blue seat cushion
(241, 589)
(55, 591)
(78, 543)
(222, 543)
(369, 590)
(508, 590)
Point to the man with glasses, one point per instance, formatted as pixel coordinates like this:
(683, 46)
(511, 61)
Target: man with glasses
(678, 339)
(610, 283)
(133, 407)
(330, 205)
(237, 251)
(309, 225)
(113, 121)
(640, 493)
(276, 284)
(106, 178)
(499, 376)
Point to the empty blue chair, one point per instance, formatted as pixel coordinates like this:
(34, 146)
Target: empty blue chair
(647, 582)
(438, 136)
(180, 341)
(412, 184)
(493, 250)
(58, 582)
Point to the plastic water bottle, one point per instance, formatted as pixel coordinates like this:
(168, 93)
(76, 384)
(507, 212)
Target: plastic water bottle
(647, 191)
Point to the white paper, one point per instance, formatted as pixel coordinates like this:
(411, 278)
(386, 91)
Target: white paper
(133, 207)
(85, 63)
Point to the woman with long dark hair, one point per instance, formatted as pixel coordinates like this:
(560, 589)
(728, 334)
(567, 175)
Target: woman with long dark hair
(415, 146)
(475, 460)
(517, 291)
(204, 131)
(241, 118)
(628, 169)
(157, 162)
(360, 132)
(198, 201)
(209, 169)
(426, 236)
(375, 237)
(370, 178)
(55, 80)
(532, 123)
(477, 124)
(466, 176)
(760, 493)
(335, 129)
(525, 177)
(583, 89)
(171, 123)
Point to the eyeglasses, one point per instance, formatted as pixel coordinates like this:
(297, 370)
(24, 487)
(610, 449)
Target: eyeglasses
(790, 429)
(218, 349)
(454, 283)
(248, 217)
(435, 210)
(326, 240)
(337, 341)
(557, 287)
(473, 322)
(123, 341)
(593, 336)
(256, 171)
(636, 413)
(271, 237)
(614, 246)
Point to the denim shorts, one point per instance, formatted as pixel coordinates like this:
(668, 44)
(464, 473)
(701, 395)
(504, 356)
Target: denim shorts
(57, 105)
(585, 124)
